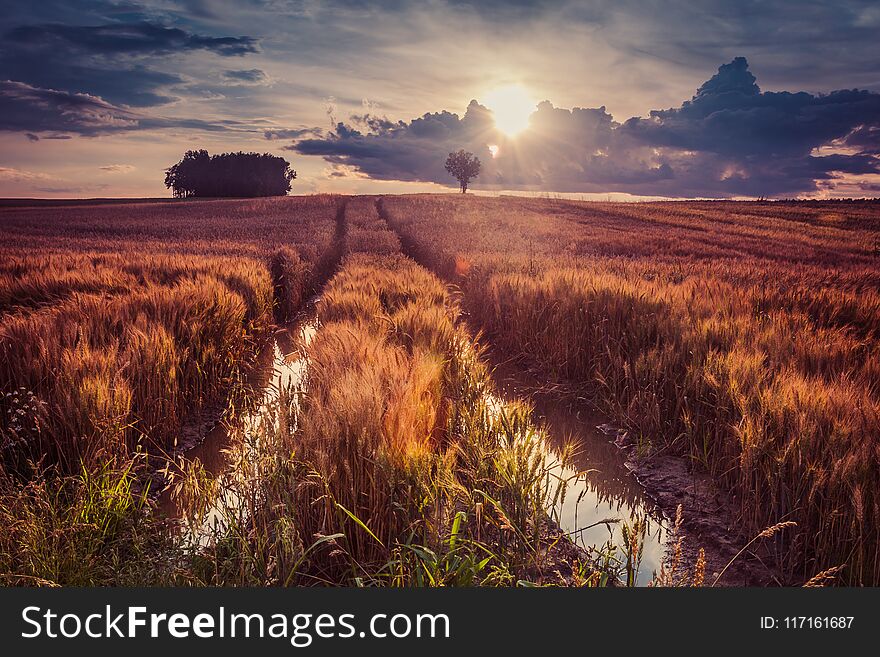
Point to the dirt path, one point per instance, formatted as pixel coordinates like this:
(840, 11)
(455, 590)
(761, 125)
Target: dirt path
(656, 484)
(207, 436)
(620, 484)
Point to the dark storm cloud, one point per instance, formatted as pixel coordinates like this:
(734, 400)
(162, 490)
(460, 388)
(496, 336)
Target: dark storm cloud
(249, 76)
(377, 124)
(138, 38)
(98, 67)
(729, 115)
(729, 139)
(134, 85)
(403, 151)
(35, 110)
(30, 136)
(122, 62)
(27, 108)
(492, 8)
(866, 139)
(295, 133)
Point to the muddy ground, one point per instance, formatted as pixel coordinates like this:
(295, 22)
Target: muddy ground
(708, 517)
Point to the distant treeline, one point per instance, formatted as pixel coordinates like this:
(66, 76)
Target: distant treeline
(229, 174)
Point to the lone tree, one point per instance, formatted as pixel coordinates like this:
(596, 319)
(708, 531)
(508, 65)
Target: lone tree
(463, 166)
(229, 174)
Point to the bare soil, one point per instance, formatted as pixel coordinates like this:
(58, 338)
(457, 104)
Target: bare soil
(708, 519)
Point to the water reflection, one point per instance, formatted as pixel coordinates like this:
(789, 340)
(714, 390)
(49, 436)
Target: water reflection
(280, 368)
(599, 485)
(599, 488)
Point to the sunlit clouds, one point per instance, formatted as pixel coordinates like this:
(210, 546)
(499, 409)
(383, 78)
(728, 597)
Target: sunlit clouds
(365, 96)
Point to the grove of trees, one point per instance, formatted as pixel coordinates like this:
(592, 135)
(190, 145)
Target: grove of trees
(199, 174)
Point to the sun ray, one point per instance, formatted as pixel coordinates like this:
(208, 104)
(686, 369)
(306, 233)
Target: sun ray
(512, 106)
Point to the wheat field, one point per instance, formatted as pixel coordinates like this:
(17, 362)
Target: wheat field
(739, 336)
(743, 336)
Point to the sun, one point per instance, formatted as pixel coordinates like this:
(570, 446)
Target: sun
(512, 106)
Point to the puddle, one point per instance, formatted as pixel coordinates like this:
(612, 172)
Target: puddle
(281, 367)
(606, 491)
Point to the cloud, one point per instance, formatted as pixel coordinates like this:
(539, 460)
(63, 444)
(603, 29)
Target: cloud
(729, 115)
(118, 168)
(277, 134)
(122, 62)
(65, 189)
(250, 76)
(628, 55)
(11, 174)
(24, 107)
(866, 138)
(134, 85)
(30, 136)
(30, 109)
(21, 180)
(134, 38)
(730, 139)
(340, 171)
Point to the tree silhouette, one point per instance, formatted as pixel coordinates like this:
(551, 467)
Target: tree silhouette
(229, 174)
(463, 166)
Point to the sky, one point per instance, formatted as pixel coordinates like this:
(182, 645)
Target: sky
(622, 99)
